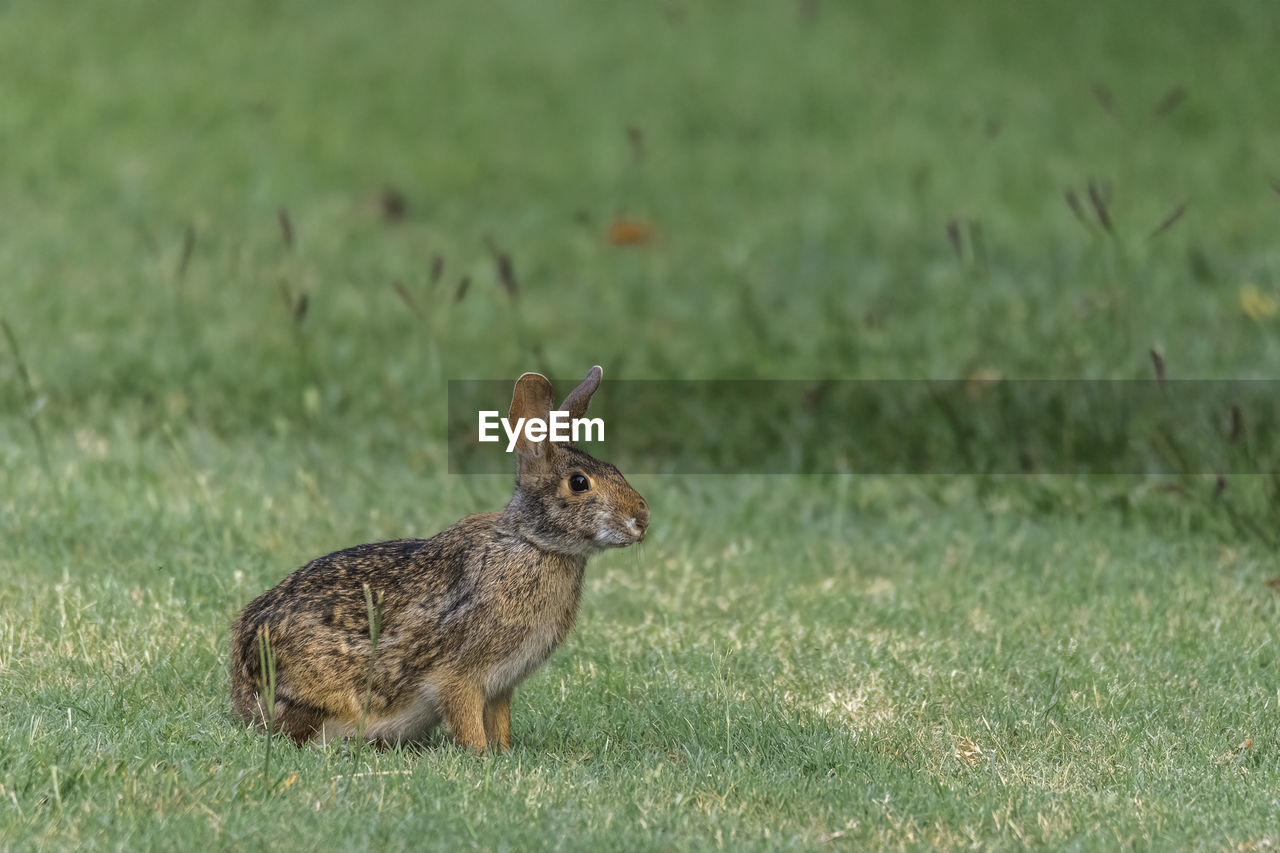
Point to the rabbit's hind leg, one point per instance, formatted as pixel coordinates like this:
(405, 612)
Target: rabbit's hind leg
(300, 721)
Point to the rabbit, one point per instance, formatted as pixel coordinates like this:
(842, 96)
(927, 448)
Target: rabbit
(460, 619)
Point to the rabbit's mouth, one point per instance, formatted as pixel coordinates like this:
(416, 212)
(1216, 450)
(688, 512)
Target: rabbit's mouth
(631, 532)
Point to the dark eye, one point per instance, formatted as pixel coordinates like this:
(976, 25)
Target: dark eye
(579, 483)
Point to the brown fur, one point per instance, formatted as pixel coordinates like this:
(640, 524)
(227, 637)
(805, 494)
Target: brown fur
(464, 616)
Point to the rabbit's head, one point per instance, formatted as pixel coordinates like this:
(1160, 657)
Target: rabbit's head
(566, 500)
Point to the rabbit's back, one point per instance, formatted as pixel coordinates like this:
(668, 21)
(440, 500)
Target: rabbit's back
(330, 589)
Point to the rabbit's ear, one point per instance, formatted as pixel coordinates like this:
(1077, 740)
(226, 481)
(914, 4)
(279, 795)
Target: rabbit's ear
(531, 399)
(579, 398)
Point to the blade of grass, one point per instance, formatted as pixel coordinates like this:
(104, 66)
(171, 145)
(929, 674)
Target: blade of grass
(32, 400)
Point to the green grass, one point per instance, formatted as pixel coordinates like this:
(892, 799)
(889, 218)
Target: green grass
(788, 662)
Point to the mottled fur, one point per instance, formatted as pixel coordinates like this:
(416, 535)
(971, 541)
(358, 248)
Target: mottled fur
(464, 616)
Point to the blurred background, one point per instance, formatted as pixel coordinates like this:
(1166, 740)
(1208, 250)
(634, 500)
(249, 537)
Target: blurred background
(274, 222)
(782, 190)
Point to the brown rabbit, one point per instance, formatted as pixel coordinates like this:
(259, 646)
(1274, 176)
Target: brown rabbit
(461, 618)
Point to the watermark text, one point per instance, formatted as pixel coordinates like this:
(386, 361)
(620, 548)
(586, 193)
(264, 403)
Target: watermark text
(558, 427)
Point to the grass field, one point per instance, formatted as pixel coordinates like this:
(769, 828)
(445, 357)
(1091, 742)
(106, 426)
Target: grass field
(200, 392)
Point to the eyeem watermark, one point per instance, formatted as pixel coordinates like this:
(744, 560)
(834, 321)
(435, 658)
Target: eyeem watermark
(558, 427)
(891, 427)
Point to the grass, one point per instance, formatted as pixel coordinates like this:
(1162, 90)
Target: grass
(227, 351)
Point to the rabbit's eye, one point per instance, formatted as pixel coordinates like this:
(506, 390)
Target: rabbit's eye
(579, 483)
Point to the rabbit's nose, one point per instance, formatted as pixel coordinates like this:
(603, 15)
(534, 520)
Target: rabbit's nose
(642, 516)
